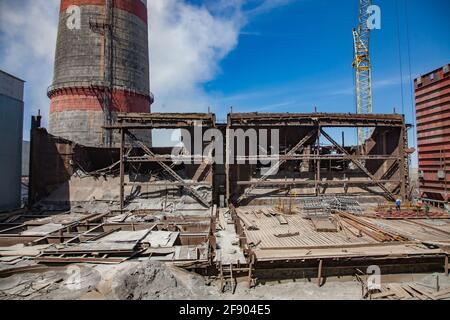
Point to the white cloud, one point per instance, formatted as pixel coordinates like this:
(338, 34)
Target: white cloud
(268, 5)
(28, 32)
(187, 44)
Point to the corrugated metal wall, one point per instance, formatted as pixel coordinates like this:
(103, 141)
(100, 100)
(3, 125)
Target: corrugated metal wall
(433, 133)
(11, 126)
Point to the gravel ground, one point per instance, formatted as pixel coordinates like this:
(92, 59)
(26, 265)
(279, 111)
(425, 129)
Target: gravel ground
(158, 281)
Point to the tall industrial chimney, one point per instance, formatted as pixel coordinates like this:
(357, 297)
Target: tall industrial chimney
(101, 68)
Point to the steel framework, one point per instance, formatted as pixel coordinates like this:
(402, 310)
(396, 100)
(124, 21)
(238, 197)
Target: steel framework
(126, 123)
(312, 128)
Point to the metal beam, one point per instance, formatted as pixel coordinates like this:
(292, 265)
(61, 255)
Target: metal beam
(314, 119)
(315, 157)
(162, 121)
(359, 165)
(137, 126)
(275, 168)
(169, 170)
(291, 182)
(318, 163)
(122, 170)
(169, 158)
(170, 184)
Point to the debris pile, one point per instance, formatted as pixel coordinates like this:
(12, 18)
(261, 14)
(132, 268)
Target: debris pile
(157, 281)
(64, 284)
(396, 291)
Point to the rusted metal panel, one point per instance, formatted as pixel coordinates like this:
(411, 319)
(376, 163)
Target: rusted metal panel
(53, 161)
(432, 92)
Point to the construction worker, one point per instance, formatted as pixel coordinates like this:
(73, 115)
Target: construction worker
(398, 204)
(427, 209)
(419, 206)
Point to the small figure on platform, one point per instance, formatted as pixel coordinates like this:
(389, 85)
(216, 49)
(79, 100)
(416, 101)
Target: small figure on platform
(427, 209)
(398, 204)
(419, 205)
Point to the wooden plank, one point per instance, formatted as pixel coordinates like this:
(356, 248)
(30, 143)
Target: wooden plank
(287, 235)
(387, 235)
(441, 293)
(399, 291)
(362, 229)
(323, 225)
(384, 294)
(249, 224)
(444, 297)
(422, 292)
(265, 212)
(281, 219)
(429, 227)
(413, 292)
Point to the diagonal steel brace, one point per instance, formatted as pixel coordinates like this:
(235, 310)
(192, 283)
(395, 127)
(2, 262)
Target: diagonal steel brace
(359, 165)
(277, 165)
(169, 170)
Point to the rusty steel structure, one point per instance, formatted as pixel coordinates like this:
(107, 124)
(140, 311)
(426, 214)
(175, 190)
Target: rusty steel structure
(432, 94)
(310, 158)
(100, 193)
(266, 240)
(129, 124)
(101, 68)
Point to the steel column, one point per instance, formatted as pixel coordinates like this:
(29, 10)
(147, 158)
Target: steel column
(122, 170)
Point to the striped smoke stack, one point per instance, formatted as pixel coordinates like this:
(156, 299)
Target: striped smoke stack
(101, 68)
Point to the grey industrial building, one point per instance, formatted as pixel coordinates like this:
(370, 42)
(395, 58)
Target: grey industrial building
(11, 126)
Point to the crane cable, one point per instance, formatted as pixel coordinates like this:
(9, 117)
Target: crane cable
(400, 54)
(352, 70)
(410, 75)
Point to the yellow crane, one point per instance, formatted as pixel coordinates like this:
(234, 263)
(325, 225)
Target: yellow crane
(361, 63)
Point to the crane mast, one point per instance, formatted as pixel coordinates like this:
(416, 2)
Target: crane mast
(362, 66)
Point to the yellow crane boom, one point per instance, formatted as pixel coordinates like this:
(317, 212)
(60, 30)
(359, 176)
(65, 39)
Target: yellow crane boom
(362, 65)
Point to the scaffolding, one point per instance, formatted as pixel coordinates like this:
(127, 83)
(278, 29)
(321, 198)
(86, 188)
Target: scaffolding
(308, 129)
(129, 123)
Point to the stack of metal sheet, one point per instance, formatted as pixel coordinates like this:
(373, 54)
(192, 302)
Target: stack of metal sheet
(325, 206)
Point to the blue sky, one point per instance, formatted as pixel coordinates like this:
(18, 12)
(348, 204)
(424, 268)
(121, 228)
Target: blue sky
(299, 56)
(254, 55)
